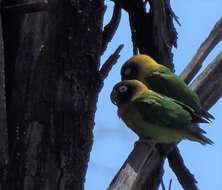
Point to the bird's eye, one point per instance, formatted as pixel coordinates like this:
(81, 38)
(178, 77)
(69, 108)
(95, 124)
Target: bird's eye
(128, 72)
(123, 88)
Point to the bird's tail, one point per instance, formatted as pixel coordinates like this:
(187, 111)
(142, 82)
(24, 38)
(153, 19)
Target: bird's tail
(206, 115)
(196, 134)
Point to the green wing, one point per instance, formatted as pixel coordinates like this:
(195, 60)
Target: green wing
(171, 85)
(160, 110)
(196, 117)
(164, 112)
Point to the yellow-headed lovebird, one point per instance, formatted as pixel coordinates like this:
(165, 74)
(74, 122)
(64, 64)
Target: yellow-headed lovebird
(160, 79)
(151, 115)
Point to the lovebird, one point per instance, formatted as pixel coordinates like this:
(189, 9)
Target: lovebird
(160, 79)
(154, 116)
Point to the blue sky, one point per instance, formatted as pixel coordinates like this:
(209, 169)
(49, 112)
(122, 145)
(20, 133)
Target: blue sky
(113, 141)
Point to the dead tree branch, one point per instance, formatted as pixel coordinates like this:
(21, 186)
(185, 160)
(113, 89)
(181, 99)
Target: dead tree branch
(111, 27)
(208, 84)
(137, 167)
(195, 64)
(170, 184)
(162, 185)
(153, 32)
(186, 179)
(107, 66)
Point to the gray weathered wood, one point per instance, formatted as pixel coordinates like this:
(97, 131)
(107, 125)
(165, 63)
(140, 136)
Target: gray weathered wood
(133, 173)
(209, 83)
(203, 51)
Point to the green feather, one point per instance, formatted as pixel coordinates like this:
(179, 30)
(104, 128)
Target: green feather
(169, 84)
(160, 118)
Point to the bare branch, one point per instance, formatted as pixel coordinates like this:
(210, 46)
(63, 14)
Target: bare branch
(107, 66)
(162, 185)
(26, 7)
(195, 64)
(137, 167)
(208, 84)
(183, 174)
(170, 184)
(111, 27)
(153, 33)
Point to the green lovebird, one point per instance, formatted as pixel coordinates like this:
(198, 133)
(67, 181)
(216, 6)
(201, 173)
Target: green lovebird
(160, 79)
(151, 115)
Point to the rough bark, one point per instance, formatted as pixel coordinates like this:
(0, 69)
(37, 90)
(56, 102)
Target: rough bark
(3, 123)
(52, 78)
(153, 32)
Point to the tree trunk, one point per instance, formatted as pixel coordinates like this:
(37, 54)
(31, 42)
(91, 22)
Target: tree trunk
(52, 85)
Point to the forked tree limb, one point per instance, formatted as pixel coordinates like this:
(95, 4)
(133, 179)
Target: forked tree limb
(195, 64)
(208, 84)
(144, 159)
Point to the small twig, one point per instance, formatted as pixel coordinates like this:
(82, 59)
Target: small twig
(208, 84)
(26, 7)
(170, 184)
(195, 64)
(107, 66)
(183, 174)
(175, 17)
(111, 27)
(162, 185)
